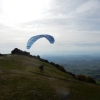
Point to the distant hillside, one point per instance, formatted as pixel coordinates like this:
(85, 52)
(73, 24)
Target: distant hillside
(21, 79)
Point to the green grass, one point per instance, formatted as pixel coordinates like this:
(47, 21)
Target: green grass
(20, 79)
(84, 91)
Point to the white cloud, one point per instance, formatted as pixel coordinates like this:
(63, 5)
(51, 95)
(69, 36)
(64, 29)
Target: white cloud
(75, 25)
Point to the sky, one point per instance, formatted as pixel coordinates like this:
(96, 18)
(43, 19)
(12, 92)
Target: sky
(75, 25)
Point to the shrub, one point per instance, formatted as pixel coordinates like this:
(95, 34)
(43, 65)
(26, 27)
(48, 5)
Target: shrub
(62, 69)
(90, 80)
(81, 77)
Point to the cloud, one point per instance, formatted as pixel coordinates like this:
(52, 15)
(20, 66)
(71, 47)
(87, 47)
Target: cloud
(75, 25)
(65, 6)
(79, 15)
(4, 26)
(0, 6)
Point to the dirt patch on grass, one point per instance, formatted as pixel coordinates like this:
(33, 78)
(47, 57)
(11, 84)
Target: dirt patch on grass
(64, 95)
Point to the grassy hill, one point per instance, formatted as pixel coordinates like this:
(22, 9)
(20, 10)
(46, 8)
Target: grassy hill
(21, 79)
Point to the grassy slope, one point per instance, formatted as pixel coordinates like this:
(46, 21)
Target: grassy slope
(20, 79)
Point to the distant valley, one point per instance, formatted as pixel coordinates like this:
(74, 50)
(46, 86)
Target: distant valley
(78, 64)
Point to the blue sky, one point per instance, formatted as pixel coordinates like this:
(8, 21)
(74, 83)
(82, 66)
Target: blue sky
(75, 25)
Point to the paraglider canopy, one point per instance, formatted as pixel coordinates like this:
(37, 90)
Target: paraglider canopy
(36, 37)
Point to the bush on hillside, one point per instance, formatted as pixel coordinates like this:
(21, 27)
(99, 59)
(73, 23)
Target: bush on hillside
(38, 56)
(88, 79)
(20, 52)
(62, 69)
(71, 74)
(1, 54)
(81, 77)
(52, 63)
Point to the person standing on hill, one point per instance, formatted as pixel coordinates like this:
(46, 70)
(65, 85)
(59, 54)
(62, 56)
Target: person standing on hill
(41, 68)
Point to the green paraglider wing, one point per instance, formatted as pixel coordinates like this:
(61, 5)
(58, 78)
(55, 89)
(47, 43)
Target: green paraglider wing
(35, 38)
